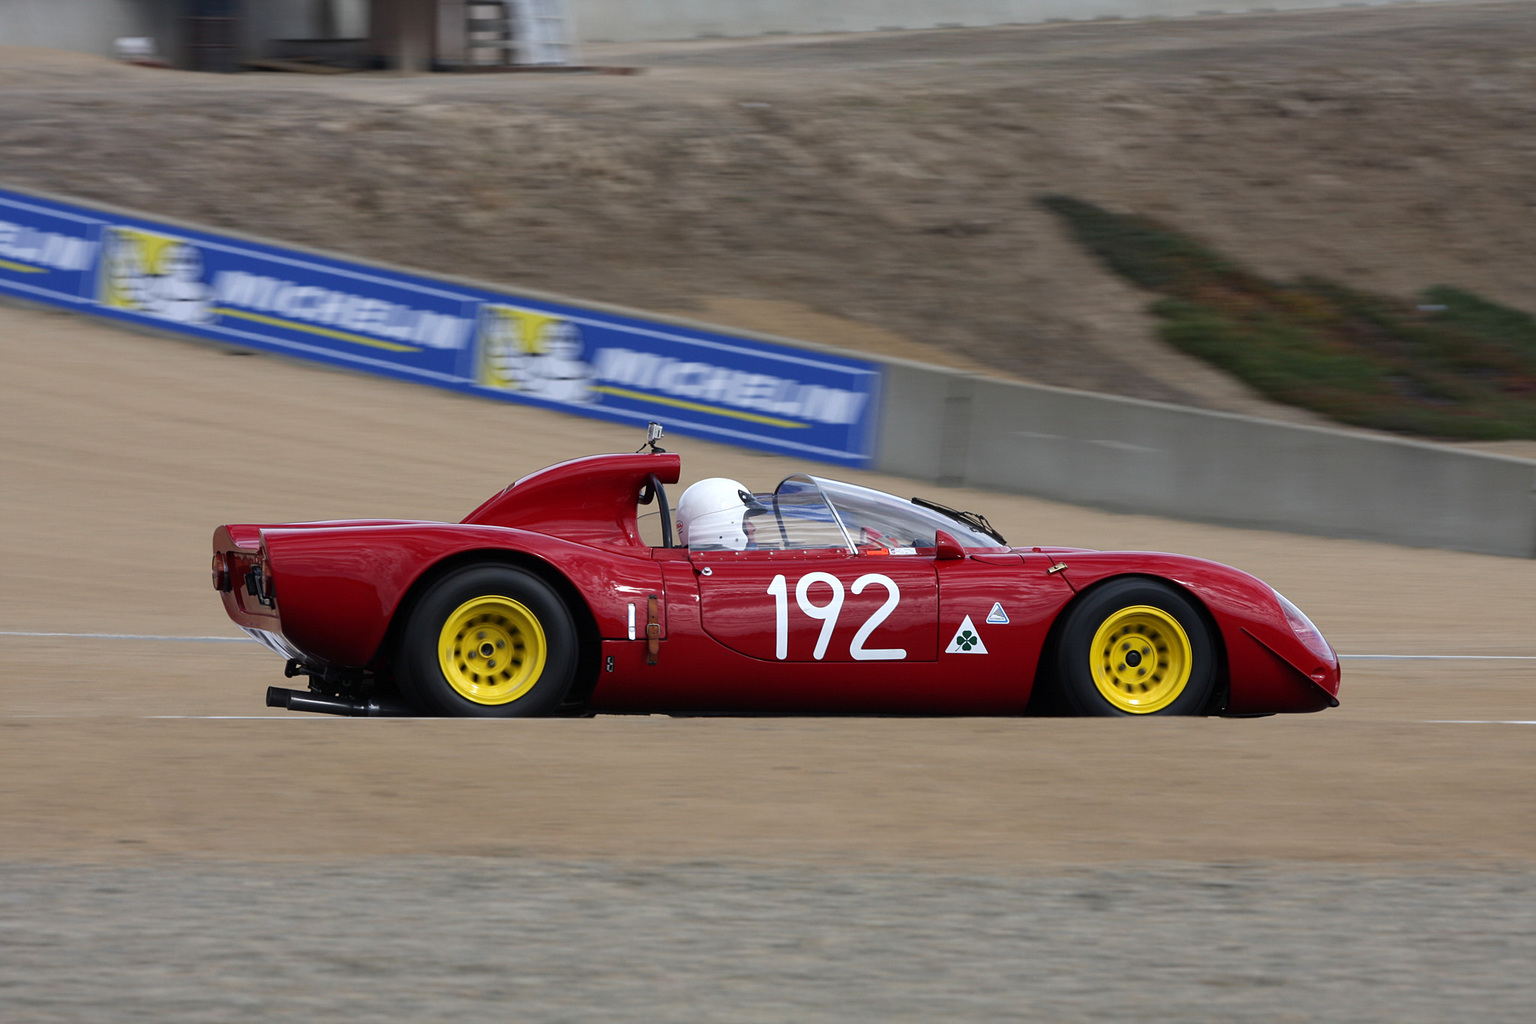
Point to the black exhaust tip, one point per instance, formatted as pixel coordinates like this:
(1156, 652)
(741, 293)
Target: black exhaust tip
(302, 700)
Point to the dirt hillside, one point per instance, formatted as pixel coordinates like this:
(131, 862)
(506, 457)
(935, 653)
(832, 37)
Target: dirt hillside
(884, 180)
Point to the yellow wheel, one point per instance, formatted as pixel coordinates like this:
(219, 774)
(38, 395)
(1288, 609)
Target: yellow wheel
(1140, 659)
(1135, 646)
(488, 641)
(491, 650)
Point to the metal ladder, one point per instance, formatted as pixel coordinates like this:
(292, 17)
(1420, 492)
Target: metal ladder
(488, 35)
(545, 32)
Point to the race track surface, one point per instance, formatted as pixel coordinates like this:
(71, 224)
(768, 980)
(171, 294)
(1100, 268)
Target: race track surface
(171, 850)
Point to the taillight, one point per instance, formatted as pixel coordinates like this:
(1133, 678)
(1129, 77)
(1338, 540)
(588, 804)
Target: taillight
(221, 573)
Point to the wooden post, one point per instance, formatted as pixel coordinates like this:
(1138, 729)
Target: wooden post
(404, 33)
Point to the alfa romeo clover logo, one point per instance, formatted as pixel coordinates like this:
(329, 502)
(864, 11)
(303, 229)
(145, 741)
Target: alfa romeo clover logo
(966, 640)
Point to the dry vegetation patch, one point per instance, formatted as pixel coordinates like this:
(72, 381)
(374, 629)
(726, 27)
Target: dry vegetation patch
(1453, 365)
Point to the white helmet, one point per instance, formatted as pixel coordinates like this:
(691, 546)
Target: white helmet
(710, 513)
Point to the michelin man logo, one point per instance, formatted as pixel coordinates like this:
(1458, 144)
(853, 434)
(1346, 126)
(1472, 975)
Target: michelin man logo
(533, 353)
(155, 275)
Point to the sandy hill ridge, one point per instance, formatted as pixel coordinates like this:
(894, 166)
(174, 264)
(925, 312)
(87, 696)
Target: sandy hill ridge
(871, 191)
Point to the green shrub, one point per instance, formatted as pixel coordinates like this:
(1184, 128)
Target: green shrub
(1452, 365)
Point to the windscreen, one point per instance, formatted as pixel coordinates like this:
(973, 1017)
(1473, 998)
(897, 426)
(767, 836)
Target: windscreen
(875, 518)
(799, 516)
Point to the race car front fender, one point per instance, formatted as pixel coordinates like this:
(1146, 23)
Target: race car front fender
(1268, 667)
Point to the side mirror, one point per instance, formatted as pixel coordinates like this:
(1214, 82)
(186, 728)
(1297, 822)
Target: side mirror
(949, 548)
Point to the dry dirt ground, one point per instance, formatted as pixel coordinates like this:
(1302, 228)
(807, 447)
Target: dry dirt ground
(866, 191)
(170, 850)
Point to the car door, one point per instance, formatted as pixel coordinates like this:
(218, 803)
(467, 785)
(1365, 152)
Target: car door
(820, 605)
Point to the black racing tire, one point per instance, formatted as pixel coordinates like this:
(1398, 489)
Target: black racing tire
(488, 641)
(1136, 646)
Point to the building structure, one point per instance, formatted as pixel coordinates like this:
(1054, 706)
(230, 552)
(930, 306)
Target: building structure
(423, 34)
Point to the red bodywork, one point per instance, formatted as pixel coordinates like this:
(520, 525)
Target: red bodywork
(339, 592)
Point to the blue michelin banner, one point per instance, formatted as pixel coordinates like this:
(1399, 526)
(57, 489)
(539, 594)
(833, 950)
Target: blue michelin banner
(460, 336)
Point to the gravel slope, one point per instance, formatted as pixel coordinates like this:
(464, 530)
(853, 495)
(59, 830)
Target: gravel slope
(492, 940)
(883, 179)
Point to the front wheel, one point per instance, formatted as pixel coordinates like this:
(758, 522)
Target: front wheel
(489, 641)
(1136, 647)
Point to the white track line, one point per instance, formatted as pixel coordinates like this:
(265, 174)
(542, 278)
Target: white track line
(412, 718)
(241, 718)
(1437, 657)
(138, 636)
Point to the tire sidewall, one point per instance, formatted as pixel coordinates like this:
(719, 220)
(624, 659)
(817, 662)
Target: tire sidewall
(1073, 655)
(421, 677)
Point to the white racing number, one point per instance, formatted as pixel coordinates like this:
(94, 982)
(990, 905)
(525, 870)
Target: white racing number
(827, 614)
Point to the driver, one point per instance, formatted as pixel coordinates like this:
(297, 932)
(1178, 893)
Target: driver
(716, 514)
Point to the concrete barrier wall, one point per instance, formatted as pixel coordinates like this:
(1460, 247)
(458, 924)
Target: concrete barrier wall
(91, 25)
(1135, 456)
(632, 21)
(87, 25)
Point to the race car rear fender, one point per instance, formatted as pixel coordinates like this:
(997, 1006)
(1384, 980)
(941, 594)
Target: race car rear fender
(340, 590)
(589, 635)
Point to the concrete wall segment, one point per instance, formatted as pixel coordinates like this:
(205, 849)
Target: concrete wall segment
(91, 25)
(628, 21)
(925, 422)
(85, 25)
(1130, 455)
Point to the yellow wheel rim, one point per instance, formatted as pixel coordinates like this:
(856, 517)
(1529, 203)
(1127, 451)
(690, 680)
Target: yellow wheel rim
(1141, 659)
(492, 650)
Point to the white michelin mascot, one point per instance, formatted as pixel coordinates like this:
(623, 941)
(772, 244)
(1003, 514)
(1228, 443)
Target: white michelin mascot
(712, 515)
(559, 374)
(179, 293)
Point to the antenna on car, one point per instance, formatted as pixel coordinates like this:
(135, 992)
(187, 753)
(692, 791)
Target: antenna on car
(653, 433)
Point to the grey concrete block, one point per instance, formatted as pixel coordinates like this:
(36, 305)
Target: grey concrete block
(1133, 456)
(925, 421)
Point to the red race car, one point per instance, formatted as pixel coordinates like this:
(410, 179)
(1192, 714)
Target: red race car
(817, 597)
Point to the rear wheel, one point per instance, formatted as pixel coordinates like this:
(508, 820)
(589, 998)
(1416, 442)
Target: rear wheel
(489, 641)
(1136, 647)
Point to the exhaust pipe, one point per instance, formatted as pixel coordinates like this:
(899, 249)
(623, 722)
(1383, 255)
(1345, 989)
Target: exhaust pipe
(306, 700)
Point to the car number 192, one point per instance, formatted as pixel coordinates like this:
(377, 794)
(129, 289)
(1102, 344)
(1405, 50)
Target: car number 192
(829, 612)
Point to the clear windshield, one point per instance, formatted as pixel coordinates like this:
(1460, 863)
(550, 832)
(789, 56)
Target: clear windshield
(812, 512)
(875, 518)
(798, 516)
